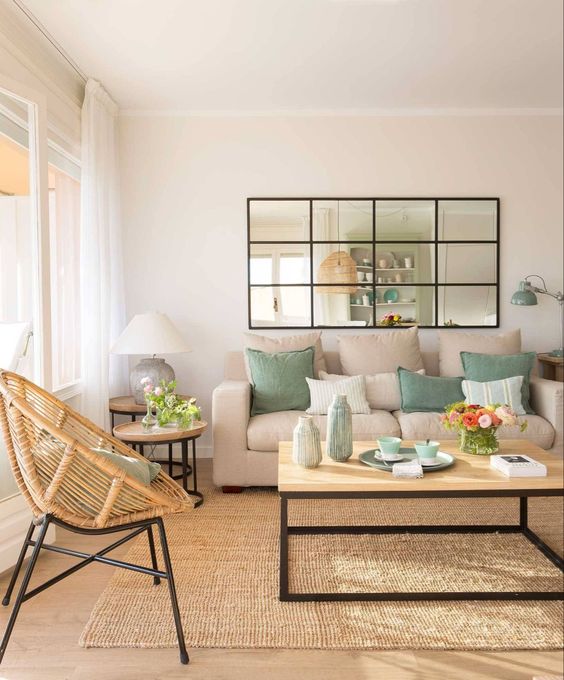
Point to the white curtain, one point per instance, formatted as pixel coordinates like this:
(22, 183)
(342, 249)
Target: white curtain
(102, 288)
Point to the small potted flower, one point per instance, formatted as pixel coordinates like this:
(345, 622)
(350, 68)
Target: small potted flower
(390, 319)
(477, 425)
(172, 410)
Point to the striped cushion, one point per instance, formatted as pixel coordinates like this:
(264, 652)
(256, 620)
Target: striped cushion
(507, 391)
(322, 393)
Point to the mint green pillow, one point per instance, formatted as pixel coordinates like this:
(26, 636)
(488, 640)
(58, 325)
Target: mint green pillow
(487, 367)
(143, 471)
(279, 380)
(427, 392)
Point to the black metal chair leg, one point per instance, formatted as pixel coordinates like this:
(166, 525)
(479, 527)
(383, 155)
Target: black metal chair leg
(172, 589)
(16, 572)
(156, 579)
(23, 587)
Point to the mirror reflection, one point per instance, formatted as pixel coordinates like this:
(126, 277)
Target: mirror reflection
(467, 263)
(467, 306)
(279, 220)
(364, 258)
(405, 220)
(467, 220)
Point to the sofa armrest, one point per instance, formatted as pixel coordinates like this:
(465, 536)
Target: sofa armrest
(231, 407)
(547, 399)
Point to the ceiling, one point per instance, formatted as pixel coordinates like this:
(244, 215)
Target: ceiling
(315, 55)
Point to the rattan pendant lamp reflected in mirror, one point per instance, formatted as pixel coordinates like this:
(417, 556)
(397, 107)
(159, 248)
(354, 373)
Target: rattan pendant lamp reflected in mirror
(337, 268)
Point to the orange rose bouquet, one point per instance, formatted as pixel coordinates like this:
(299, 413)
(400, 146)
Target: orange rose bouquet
(477, 425)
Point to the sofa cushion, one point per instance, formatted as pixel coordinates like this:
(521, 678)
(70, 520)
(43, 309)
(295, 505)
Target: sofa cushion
(428, 426)
(380, 352)
(322, 392)
(428, 392)
(265, 431)
(279, 380)
(286, 343)
(451, 343)
(382, 389)
(506, 391)
(487, 367)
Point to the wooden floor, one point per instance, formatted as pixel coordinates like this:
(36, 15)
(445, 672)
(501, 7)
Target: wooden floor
(44, 645)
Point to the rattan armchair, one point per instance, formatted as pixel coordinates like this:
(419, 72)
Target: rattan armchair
(66, 483)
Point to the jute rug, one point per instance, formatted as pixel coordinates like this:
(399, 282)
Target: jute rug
(225, 558)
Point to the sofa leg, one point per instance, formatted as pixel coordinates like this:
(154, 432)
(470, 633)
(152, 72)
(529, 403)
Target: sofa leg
(232, 489)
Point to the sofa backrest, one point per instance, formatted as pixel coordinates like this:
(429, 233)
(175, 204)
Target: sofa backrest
(235, 364)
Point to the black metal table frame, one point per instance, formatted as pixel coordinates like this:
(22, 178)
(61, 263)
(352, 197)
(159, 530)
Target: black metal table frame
(285, 531)
(183, 441)
(170, 462)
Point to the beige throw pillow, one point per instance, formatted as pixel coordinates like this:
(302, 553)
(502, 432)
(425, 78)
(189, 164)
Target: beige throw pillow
(288, 343)
(451, 343)
(382, 352)
(382, 389)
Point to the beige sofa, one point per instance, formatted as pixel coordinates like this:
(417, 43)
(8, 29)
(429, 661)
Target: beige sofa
(245, 448)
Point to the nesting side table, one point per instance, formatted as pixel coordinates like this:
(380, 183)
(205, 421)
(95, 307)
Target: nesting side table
(134, 433)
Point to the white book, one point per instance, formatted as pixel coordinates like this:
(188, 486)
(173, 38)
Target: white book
(518, 466)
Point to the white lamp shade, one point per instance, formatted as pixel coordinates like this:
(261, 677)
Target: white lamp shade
(150, 333)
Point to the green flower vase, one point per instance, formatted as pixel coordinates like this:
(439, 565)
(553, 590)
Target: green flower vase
(480, 443)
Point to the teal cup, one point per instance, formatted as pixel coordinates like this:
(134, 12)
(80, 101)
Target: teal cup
(389, 446)
(427, 450)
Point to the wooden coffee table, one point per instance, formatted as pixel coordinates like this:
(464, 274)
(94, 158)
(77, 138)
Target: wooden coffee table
(469, 477)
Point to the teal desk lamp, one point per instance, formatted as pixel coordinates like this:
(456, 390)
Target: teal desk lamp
(526, 296)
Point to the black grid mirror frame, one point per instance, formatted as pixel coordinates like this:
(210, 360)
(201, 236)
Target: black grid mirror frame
(436, 290)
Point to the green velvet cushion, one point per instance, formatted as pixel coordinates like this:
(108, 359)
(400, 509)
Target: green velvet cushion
(427, 392)
(279, 380)
(486, 367)
(142, 470)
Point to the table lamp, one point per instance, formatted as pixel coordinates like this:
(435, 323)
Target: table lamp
(150, 333)
(526, 296)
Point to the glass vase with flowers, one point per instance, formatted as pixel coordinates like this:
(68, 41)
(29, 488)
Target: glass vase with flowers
(172, 410)
(477, 425)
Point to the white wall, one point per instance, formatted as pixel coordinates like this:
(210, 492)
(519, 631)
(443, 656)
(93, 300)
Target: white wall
(185, 181)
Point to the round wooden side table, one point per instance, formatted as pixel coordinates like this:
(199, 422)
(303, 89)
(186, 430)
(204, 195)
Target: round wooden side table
(134, 433)
(127, 406)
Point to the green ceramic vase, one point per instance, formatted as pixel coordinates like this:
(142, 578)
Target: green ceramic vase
(339, 429)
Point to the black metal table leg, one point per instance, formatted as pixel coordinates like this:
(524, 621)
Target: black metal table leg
(283, 594)
(170, 460)
(194, 491)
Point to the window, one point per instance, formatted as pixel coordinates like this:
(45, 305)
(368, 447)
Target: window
(64, 233)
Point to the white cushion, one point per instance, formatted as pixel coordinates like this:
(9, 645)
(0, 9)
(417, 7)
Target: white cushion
(428, 425)
(287, 343)
(507, 391)
(381, 352)
(451, 343)
(321, 394)
(264, 432)
(382, 389)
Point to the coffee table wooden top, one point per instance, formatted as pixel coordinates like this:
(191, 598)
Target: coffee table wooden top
(134, 432)
(469, 473)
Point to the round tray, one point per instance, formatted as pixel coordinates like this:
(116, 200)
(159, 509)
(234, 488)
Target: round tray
(368, 458)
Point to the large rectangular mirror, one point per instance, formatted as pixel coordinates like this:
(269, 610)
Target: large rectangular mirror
(344, 262)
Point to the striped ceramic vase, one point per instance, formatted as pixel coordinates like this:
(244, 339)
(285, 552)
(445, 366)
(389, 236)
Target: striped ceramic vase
(339, 429)
(306, 448)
